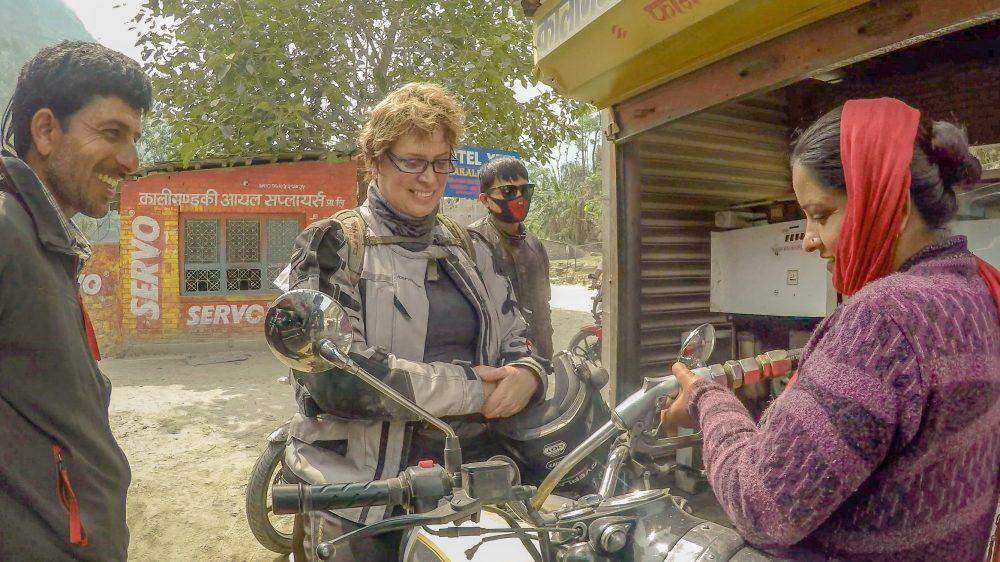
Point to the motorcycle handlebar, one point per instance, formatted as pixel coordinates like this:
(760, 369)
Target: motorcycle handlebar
(302, 498)
(642, 404)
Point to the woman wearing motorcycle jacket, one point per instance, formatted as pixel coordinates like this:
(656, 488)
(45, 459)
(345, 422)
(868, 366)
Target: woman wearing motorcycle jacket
(434, 322)
(887, 446)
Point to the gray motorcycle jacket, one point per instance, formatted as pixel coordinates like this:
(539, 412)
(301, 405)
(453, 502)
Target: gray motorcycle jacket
(347, 442)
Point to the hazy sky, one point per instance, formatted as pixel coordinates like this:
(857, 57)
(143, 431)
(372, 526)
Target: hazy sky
(109, 25)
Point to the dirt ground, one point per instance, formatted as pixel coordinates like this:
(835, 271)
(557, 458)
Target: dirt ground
(574, 271)
(192, 427)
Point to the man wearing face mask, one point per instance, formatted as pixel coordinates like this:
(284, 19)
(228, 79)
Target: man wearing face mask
(506, 194)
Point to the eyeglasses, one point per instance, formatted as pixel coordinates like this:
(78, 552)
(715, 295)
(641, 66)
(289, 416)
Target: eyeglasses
(419, 165)
(510, 192)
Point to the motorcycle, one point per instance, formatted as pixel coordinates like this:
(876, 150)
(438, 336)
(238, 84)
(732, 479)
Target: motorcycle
(272, 531)
(480, 511)
(586, 344)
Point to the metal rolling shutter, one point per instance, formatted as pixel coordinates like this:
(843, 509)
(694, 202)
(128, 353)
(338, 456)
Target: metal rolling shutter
(689, 169)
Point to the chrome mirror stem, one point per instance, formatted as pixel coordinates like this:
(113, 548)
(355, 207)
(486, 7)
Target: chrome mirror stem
(452, 448)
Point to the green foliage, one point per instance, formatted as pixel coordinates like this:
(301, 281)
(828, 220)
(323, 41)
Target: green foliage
(567, 205)
(154, 146)
(249, 76)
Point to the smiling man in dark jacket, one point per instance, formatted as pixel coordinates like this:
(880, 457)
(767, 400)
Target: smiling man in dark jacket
(73, 120)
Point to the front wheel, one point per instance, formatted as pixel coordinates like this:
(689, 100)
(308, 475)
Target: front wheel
(587, 346)
(273, 532)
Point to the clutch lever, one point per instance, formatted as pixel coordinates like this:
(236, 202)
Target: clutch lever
(458, 508)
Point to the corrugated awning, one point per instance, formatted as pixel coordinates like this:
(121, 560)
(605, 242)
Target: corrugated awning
(249, 160)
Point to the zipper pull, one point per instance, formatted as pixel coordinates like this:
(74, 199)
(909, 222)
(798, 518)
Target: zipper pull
(77, 535)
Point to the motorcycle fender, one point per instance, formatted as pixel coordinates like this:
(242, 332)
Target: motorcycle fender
(279, 435)
(592, 329)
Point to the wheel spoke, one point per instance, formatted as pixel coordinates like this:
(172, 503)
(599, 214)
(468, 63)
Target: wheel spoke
(586, 346)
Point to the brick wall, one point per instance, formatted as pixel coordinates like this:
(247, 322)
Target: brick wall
(145, 271)
(234, 315)
(153, 308)
(99, 290)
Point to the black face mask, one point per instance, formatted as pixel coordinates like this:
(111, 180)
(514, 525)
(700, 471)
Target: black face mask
(512, 211)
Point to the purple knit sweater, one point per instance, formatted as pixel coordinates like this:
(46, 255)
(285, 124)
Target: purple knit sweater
(887, 447)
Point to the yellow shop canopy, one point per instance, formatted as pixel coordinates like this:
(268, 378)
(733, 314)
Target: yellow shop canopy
(605, 51)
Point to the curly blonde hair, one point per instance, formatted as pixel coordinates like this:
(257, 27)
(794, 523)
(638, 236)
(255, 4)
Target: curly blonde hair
(417, 107)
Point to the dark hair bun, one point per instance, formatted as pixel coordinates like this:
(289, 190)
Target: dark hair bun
(949, 150)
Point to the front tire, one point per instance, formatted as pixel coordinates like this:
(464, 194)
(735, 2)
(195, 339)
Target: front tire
(273, 532)
(586, 346)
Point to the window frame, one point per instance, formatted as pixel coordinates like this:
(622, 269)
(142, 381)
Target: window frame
(267, 287)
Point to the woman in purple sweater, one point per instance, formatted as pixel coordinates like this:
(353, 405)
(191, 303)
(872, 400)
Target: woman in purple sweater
(887, 446)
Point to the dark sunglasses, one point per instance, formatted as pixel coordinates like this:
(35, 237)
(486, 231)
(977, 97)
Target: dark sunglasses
(510, 192)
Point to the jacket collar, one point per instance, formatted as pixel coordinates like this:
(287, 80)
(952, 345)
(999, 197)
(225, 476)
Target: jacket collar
(950, 246)
(382, 235)
(55, 231)
(521, 232)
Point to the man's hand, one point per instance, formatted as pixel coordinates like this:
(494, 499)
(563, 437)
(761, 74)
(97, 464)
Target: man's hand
(676, 412)
(514, 387)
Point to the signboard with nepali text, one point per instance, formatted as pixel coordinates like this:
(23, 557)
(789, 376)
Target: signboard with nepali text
(465, 181)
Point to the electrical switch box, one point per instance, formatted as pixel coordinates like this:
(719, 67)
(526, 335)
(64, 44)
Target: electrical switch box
(763, 270)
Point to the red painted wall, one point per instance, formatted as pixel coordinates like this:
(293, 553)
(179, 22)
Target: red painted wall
(152, 209)
(99, 290)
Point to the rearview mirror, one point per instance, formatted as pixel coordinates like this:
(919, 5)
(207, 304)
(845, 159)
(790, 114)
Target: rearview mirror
(297, 320)
(697, 347)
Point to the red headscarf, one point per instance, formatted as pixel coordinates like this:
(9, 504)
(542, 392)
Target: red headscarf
(876, 147)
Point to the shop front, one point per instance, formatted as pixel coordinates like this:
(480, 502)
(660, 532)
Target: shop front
(700, 99)
(200, 248)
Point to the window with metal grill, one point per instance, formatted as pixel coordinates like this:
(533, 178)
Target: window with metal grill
(233, 255)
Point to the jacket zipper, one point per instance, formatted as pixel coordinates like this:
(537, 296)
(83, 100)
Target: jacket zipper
(380, 467)
(67, 496)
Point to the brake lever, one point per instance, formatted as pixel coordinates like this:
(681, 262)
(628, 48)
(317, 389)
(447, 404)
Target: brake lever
(459, 507)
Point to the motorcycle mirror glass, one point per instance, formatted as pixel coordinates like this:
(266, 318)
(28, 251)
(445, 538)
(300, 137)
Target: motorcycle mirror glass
(298, 320)
(697, 347)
